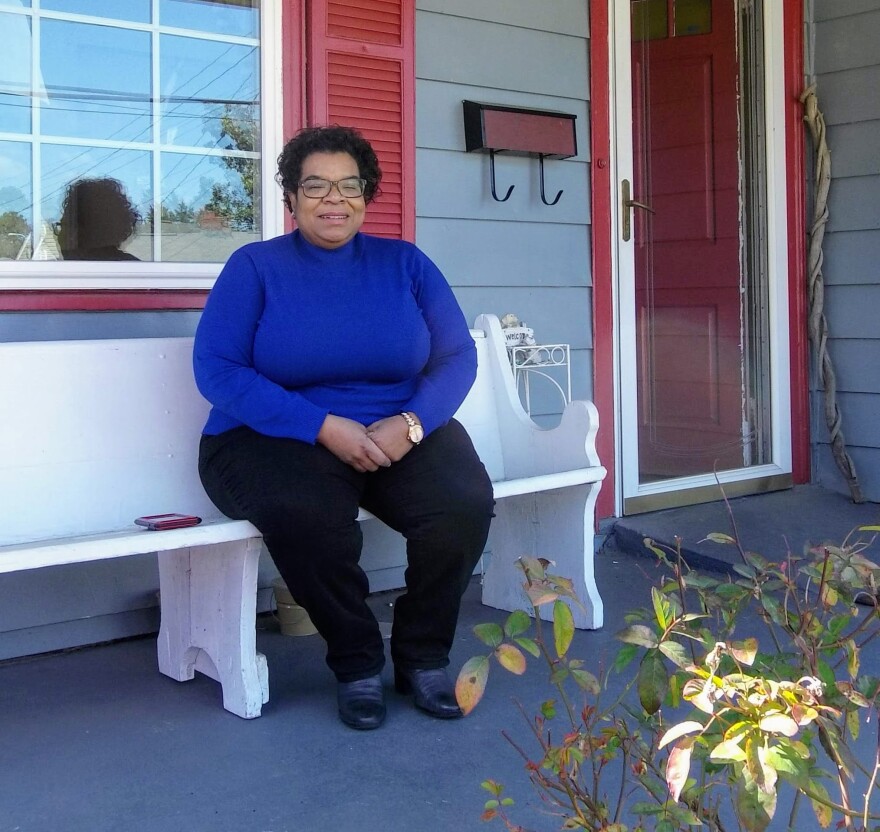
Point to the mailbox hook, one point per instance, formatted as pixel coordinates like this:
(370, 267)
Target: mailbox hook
(543, 197)
(492, 176)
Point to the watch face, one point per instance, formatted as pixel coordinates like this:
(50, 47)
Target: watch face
(416, 434)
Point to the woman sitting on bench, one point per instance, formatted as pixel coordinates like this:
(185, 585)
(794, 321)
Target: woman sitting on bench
(334, 362)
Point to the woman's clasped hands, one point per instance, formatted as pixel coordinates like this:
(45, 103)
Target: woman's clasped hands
(365, 448)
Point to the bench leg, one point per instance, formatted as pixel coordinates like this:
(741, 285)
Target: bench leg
(557, 525)
(209, 597)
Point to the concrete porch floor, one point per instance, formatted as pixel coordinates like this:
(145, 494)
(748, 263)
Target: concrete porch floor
(96, 740)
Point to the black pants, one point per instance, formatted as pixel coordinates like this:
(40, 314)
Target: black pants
(305, 502)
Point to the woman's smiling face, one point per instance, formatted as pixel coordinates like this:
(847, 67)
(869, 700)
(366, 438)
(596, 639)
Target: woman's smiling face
(331, 221)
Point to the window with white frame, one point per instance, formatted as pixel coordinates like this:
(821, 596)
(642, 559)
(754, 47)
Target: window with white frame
(130, 130)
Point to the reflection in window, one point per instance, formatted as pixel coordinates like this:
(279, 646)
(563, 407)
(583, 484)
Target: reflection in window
(85, 97)
(153, 122)
(224, 17)
(693, 17)
(649, 20)
(97, 217)
(134, 10)
(16, 216)
(15, 74)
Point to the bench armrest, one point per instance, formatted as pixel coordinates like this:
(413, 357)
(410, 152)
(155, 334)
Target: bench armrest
(528, 449)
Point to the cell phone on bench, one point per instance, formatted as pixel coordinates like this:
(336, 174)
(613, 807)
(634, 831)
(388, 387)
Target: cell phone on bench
(162, 522)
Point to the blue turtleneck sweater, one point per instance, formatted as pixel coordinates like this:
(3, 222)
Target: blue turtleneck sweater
(292, 332)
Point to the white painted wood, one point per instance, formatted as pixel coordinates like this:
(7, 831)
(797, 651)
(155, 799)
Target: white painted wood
(97, 433)
(550, 482)
(208, 612)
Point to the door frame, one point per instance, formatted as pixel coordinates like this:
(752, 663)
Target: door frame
(788, 178)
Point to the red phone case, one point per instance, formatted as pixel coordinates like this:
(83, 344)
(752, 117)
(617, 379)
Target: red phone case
(162, 522)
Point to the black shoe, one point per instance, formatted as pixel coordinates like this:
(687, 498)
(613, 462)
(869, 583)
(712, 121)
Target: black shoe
(361, 703)
(433, 691)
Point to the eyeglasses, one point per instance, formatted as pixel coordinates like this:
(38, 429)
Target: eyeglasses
(350, 187)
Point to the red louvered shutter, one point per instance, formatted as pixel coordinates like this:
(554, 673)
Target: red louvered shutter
(361, 73)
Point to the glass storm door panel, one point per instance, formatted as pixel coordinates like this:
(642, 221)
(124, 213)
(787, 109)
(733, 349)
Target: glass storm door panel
(697, 374)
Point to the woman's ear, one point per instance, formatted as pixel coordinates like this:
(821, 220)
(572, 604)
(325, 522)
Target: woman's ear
(286, 200)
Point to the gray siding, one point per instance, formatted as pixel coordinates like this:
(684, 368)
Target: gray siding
(518, 256)
(847, 67)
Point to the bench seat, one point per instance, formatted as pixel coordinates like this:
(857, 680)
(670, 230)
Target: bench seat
(105, 431)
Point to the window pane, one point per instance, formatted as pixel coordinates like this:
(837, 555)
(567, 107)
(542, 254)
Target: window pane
(693, 17)
(15, 74)
(98, 201)
(204, 85)
(210, 206)
(225, 17)
(16, 210)
(649, 20)
(136, 10)
(16, 3)
(88, 95)
(115, 106)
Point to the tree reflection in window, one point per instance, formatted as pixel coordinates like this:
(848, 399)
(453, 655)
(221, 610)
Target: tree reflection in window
(172, 116)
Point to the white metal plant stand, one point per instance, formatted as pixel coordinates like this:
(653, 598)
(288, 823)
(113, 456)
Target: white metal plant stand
(551, 361)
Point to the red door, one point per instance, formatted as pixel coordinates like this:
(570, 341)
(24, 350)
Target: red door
(692, 408)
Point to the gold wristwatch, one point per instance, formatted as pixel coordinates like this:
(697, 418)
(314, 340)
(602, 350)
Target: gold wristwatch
(416, 433)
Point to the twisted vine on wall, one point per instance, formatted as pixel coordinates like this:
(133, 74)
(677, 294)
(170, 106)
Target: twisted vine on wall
(818, 325)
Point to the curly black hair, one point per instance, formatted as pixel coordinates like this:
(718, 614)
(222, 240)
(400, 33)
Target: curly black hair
(332, 139)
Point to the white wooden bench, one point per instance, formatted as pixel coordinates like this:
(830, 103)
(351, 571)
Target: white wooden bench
(96, 433)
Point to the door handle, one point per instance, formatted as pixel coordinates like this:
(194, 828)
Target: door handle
(628, 204)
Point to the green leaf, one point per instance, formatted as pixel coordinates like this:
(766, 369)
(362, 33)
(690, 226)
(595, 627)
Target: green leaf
(529, 646)
(653, 681)
(728, 751)
(511, 658)
(755, 808)
(563, 627)
(837, 749)
(471, 683)
(624, 656)
(853, 723)
(490, 634)
(548, 709)
(492, 787)
(676, 653)
(788, 764)
(517, 623)
(638, 634)
(559, 675)
(756, 560)
(586, 681)
(719, 537)
(645, 808)
(823, 812)
(852, 658)
(744, 570)
(661, 608)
